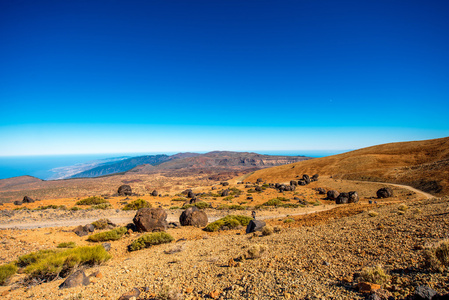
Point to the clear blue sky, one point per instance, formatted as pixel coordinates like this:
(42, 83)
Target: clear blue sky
(135, 76)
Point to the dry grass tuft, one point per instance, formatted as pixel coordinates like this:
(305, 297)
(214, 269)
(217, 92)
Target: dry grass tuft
(375, 275)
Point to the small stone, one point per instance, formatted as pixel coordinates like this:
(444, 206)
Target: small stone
(76, 279)
(367, 287)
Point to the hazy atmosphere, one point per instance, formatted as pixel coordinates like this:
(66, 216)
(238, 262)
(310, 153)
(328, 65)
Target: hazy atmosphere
(136, 76)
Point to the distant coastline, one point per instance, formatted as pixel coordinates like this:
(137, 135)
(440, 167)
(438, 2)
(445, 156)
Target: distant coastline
(46, 166)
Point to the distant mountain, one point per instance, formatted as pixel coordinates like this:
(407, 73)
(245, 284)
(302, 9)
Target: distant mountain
(218, 161)
(128, 164)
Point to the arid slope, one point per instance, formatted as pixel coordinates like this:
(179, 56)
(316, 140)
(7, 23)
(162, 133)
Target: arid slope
(421, 164)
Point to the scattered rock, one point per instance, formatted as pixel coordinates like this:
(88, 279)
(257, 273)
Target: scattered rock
(80, 231)
(385, 192)
(27, 199)
(225, 193)
(258, 189)
(151, 219)
(17, 202)
(321, 191)
(134, 293)
(124, 190)
(332, 195)
(306, 178)
(89, 228)
(106, 246)
(154, 193)
(224, 183)
(342, 198)
(315, 177)
(353, 197)
(192, 216)
(76, 279)
(255, 225)
(424, 292)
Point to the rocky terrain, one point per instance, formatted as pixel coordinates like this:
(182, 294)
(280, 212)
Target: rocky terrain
(376, 244)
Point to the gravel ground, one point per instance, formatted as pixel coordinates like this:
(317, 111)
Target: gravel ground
(315, 260)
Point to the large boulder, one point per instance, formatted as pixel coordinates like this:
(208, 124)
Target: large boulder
(154, 193)
(125, 190)
(301, 182)
(332, 195)
(306, 178)
(293, 182)
(192, 216)
(76, 279)
(385, 192)
(151, 219)
(190, 194)
(353, 197)
(255, 225)
(17, 202)
(315, 177)
(343, 198)
(81, 231)
(27, 199)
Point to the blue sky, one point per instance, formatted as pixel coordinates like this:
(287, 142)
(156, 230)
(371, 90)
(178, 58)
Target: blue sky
(136, 76)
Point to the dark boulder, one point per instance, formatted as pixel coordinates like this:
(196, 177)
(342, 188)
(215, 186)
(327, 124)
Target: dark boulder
(27, 199)
(258, 189)
(332, 195)
(154, 193)
(315, 177)
(306, 178)
(343, 198)
(190, 194)
(18, 202)
(76, 279)
(80, 231)
(321, 191)
(293, 182)
(259, 180)
(89, 228)
(224, 183)
(151, 219)
(194, 200)
(424, 292)
(385, 192)
(192, 216)
(125, 190)
(353, 197)
(255, 225)
(249, 198)
(301, 182)
(225, 193)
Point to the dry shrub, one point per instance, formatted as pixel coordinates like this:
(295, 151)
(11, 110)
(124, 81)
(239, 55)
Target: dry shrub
(375, 275)
(267, 230)
(255, 251)
(437, 257)
(403, 207)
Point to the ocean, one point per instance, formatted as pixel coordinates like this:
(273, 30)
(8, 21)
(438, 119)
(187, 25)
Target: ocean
(43, 166)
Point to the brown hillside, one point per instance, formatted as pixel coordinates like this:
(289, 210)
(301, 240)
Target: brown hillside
(421, 164)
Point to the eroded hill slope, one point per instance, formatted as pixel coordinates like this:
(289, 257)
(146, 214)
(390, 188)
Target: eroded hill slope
(421, 164)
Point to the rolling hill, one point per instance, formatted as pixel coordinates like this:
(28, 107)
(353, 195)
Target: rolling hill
(421, 164)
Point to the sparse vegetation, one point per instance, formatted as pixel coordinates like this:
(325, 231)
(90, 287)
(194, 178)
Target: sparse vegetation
(102, 224)
(102, 206)
(174, 207)
(52, 206)
(228, 222)
(181, 199)
(202, 205)
(147, 240)
(66, 245)
(137, 204)
(94, 200)
(111, 235)
(47, 265)
(375, 275)
(75, 208)
(6, 271)
(255, 251)
(228, 198)
(230, 206)
(289, 221)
